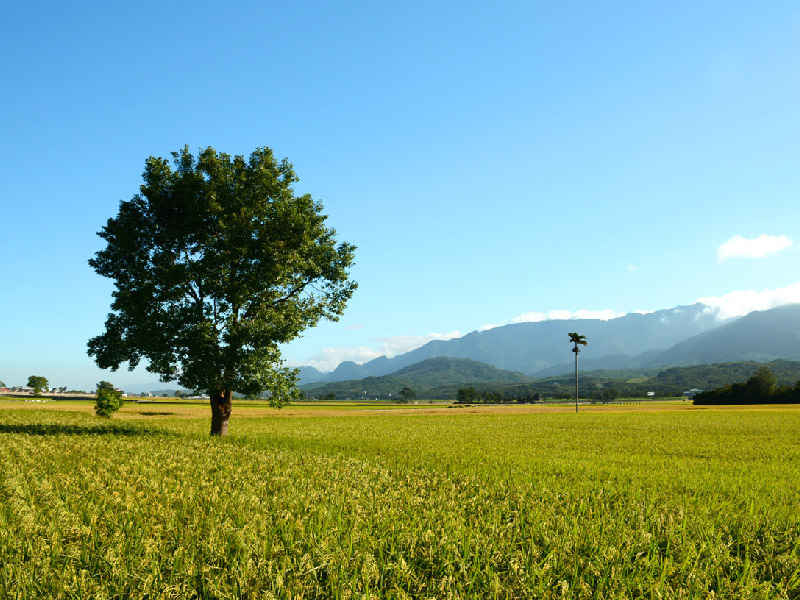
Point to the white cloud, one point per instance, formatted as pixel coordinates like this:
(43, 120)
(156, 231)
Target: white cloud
(741, 302)
(392, 346)
(329, 358)
(535, 317)
(759, 247)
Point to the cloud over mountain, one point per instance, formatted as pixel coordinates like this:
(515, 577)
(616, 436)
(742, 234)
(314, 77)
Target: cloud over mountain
(329, 358)
(536, 317)
(742, 302)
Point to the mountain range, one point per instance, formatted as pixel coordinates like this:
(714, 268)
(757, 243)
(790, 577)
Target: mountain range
(431, 377)
(680, 336)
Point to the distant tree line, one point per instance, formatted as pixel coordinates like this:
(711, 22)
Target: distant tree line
(470, 395)
(761, 388)
(708, 377)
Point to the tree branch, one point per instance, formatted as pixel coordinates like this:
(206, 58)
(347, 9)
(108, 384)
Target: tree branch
(283, 299)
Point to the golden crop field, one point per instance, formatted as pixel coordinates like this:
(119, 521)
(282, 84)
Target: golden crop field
(640, 501)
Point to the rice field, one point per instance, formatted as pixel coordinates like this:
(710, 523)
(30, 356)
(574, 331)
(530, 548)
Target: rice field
(659, 501)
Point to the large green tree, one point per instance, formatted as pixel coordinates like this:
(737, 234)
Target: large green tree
(38, 383)
(216, 262)
(407, 394)
(467, 395)
(762, 384)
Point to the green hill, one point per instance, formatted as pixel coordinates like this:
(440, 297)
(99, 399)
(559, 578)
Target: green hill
(425, 378)
(708, 377)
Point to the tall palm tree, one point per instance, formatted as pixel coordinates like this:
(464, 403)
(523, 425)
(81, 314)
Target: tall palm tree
(576, 340)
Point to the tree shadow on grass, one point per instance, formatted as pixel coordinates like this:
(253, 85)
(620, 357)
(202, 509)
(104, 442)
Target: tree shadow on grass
(116, 429)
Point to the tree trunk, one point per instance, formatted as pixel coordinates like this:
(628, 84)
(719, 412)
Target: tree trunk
(220, 411)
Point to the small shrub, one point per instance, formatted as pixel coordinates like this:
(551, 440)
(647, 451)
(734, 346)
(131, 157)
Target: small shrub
(109, 401)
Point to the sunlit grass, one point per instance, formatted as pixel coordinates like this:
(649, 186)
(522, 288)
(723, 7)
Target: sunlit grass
(342, 502)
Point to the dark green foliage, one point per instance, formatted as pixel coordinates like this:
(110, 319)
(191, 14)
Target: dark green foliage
(761, 388)
(406, 394)
(216, 263)
(104, 385)
(472, 396)
(444, 370)
(38, 383)
(109, 400)
(716, 375)
(577, 339)
(492, 397)
(762, 383)
(467, 395)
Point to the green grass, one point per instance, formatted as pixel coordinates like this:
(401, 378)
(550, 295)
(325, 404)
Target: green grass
(672, 502)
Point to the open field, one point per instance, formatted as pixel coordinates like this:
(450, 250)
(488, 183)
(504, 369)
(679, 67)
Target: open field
(660, 500)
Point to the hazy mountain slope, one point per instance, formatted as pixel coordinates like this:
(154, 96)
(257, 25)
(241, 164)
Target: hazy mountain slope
(590, 363)
(348, 370)
(309, 375)
(759, 336)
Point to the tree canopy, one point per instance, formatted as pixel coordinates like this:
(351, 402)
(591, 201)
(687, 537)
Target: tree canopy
(575, 339)
(38, 383)
(406, 394)
(761, 388)
(217, 262)
(109, 399)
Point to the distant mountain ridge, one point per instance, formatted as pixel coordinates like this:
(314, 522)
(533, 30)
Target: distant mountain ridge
(423, 377)
(759, 336)
(532, 348)
(683, 335)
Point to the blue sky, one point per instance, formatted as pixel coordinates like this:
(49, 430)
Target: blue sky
(492, 162)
